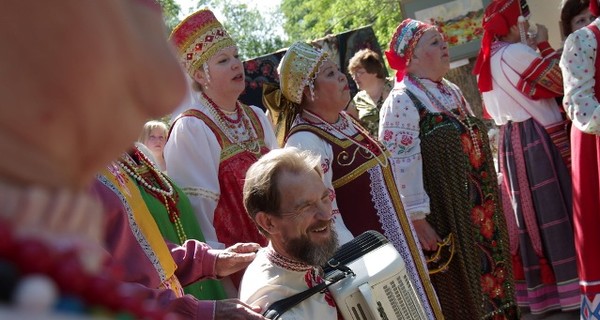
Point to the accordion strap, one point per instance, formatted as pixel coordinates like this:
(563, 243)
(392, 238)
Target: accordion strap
(278, 308)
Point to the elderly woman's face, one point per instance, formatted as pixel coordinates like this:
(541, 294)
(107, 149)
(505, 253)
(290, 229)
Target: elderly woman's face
(331, 87)
(431, 55)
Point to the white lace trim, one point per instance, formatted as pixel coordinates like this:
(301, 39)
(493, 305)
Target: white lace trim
(393, 232)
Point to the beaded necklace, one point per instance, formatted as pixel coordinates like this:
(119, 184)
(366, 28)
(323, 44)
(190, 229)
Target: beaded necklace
(441, 107)
(62, 283)
(230, 126)
(369, 145)
(155, 184)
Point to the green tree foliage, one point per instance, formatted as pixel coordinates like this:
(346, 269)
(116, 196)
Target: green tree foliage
(170, 12)
(255, 34)
(312, 19)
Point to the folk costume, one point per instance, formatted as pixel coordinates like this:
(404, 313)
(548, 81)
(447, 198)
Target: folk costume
(580, 66)
(272, 277)
(518, 87)
(353, 164)
(208, 151)
(171, 211)
(444, 168)
(137, 246)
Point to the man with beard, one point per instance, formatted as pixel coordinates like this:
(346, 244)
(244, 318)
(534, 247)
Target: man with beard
(285, 196)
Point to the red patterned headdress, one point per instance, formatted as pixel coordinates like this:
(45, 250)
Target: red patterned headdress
(403, 43)
(594, 7)
(199, 37)
(499, 16)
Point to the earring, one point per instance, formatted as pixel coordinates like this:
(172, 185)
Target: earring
(205, 67)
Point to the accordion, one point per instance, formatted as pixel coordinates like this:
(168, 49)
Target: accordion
(380, 288)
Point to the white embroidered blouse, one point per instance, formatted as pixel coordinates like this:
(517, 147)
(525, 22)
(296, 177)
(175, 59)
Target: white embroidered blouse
(399, 132)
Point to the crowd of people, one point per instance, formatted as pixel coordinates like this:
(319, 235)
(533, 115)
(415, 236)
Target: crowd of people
(225, 210)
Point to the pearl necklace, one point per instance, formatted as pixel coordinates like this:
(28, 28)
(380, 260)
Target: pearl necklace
(164, 196)
(230, 126)
(132, 172)
(369, 141)
(443, 108)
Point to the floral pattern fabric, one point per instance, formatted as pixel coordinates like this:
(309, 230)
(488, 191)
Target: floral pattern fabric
(439, 154)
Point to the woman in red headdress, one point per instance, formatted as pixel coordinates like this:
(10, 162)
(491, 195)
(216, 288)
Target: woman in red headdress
(580, 66)
(444, 171)
(519, 86)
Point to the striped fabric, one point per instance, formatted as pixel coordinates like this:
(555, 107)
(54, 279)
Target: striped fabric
(538, 188)
(559, 135)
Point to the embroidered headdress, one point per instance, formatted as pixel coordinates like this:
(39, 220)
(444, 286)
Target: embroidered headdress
(297, 70)
(499, 16)
(403, 43)
(198, 37)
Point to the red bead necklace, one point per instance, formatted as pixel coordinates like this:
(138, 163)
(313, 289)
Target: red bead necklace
(31, 256)
(139, 167)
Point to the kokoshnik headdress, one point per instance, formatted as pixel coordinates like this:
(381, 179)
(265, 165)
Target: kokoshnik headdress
(297, 70)
(199, 37)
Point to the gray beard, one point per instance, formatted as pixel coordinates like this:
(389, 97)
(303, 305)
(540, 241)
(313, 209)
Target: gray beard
(306, 251)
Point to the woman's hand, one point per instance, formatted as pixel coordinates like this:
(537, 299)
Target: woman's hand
(234, 309)
(427, 236)
(541, 34)
(235, 258)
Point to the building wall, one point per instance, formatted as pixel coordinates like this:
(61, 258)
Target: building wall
(547, 12)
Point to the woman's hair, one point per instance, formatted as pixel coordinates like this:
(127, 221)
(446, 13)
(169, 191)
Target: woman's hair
(149, 126)
(369, 60)
(569, 9)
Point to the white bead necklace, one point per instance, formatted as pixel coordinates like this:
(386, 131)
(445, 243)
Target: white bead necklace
(140, 179)
(251, 144)
(363, 132)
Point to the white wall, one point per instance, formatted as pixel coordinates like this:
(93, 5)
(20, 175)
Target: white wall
(547, 12)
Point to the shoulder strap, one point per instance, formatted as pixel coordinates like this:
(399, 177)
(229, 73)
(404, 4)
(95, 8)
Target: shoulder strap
(418, 104)
(596, 32)
(201, 116)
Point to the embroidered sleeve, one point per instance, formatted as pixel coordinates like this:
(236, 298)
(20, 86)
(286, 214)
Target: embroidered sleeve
(399, 133)
(540, 76)
(543, 79)
(577, 64)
